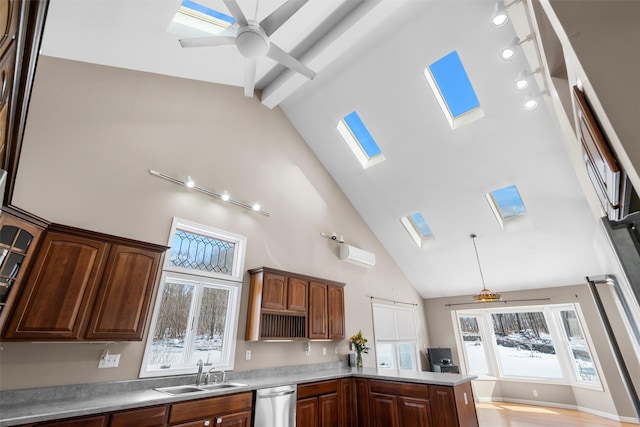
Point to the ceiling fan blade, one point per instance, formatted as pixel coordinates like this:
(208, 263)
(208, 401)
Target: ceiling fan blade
(289, 61)
(236, 12)
(208, 41)
(249, 77)
(279, 16)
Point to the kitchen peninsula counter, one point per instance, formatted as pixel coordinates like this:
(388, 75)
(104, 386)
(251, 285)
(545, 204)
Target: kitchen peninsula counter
(50, 403)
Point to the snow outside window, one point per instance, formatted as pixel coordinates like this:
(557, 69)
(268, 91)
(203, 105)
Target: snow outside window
(196, 313)
(545, 343)
(395, 337)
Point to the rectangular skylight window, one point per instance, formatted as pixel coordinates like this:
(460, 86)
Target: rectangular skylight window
(359, 140)
(506, 203)
(453, 90)
(196, 20)
(417, 227)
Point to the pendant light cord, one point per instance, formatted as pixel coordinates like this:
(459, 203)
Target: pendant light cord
(473, 239)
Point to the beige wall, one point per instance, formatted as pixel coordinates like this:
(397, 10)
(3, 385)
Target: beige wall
(613, 401)
(93, 133)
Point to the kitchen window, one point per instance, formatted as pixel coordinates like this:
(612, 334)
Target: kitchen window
(395, 337)
(196, 313)
(542, 343)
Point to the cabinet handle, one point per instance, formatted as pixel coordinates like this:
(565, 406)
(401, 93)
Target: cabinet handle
(206, 423)
(219, 421)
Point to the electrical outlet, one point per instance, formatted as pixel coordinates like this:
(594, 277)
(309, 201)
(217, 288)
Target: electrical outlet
(535, 393)
(307, 351)
(247, 355)
(109, 361)
(324, 351)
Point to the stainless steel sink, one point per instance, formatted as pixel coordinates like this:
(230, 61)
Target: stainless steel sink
(186, 389)
(222, 385)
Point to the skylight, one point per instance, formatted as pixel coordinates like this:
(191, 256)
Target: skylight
(194, 20)
(453, 90)
(359, 140)
(506, 203)
(417, 227)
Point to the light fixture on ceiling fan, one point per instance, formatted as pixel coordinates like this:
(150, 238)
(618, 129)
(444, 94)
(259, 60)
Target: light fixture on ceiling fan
(485, 294)
(252, 41)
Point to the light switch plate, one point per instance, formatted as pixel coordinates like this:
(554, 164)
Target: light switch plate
(109, 361)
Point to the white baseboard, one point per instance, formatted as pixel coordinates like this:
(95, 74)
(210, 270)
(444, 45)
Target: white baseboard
(607, 415)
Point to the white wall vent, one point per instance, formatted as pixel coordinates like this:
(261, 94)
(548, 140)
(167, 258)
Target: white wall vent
(357, 256)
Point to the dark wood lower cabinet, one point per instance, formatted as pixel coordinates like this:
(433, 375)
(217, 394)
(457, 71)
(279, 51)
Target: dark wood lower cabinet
(414, 412)
(155, 416)
(94, 421)
(319, 404)
(384, 410)
(362, 402)
(349, 402)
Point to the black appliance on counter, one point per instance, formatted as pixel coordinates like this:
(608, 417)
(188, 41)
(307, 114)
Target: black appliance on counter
(440, 361)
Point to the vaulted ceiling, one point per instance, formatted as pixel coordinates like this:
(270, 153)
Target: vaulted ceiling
(369, 56)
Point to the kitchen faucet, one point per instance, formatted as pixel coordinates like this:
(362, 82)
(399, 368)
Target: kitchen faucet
(199, 375)
(216, 375)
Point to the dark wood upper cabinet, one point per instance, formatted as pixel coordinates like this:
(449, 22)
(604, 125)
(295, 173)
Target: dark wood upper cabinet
(86, 286)
(335, 302)
(292, 306)
(19, 238)
(124, 294)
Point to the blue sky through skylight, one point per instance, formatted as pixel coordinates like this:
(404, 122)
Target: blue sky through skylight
(454, 84)
(508, 202)
(207, 11)
(362, 135)
(421, 224)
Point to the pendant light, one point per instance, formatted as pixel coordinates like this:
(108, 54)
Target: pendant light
(485, 294)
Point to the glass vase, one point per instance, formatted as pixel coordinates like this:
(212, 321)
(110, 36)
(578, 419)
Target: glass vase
(358, 360)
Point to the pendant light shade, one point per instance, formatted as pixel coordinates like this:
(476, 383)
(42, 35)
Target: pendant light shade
(485, 294)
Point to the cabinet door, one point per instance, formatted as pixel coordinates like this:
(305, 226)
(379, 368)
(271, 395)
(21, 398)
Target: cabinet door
(124, 294)
(7, 68)
(238, 419)
(146, 417)
(60, 289)
(318, 322)
(335, 300)
(414, 412)
(18, 243)
(384, 410)
(443, 406)
(329, 410)
(9, 20)
(274, 291)
(362, 404)
(96, 421)
(297, 295)
(349, 405)
(307, 412)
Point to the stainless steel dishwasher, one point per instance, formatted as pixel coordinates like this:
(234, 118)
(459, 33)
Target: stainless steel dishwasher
(276, 406)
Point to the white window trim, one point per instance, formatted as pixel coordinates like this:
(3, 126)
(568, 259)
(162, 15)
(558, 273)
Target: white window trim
(551, 313)
(416, 355)
(489, 357)
(240, 244)
(233, 283)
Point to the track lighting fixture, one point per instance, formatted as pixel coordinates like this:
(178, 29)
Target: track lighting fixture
(509, 51)
(522, 81)
(190, 183)
(500, 16)
(531, 100)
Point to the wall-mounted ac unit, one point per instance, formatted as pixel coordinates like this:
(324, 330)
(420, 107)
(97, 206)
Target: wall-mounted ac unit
(357, 256)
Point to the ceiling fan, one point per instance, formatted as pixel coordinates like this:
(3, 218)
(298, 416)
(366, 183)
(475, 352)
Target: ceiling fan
(252, 41)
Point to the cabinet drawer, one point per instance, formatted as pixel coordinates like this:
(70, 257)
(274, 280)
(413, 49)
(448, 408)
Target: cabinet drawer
(146, 417)
(207, 408)
(317, 389)
(399, 389)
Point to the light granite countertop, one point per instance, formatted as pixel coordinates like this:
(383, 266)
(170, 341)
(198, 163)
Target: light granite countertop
(50, 403)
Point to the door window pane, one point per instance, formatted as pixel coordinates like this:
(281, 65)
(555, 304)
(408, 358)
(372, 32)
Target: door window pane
(581, 356)
(168, 347)
(524, 346)
(406, 357)
(476, 357)
(211, 326)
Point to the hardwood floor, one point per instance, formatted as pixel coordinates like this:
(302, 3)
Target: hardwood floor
(502, 414)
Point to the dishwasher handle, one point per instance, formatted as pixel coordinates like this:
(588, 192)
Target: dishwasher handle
(276, 394)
